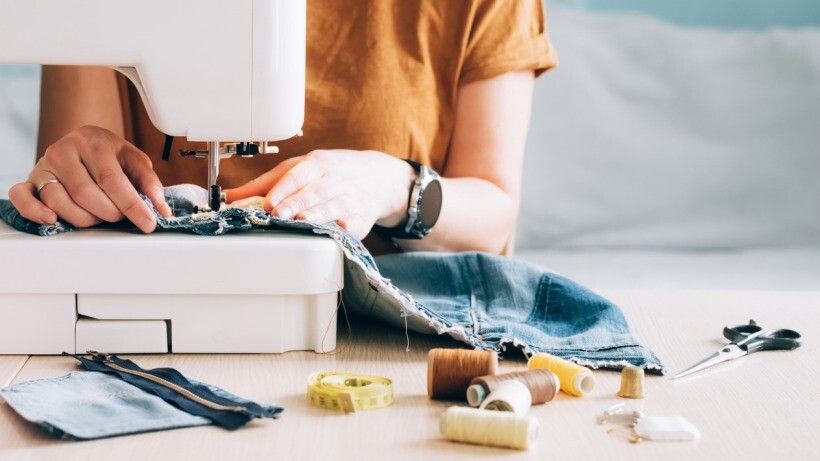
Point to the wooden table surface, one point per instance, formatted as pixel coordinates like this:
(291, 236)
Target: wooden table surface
(765, 406)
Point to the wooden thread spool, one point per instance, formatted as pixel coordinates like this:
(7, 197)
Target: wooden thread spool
(542, 384)
(575, 379)
(493, 428)
(510, 395)
(449, 371)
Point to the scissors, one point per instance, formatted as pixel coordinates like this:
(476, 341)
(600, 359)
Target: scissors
(746, 339)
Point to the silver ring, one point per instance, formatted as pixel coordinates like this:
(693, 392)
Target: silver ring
(46, 182)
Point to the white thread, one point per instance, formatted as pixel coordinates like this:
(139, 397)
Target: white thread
(511, 395)
(493, 428)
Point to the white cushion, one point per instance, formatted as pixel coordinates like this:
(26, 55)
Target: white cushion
(752, 269)
(652, 135)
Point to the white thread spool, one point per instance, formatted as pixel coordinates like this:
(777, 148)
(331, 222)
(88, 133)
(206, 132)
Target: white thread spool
(493, 428)
(511, 396)
(475, 395)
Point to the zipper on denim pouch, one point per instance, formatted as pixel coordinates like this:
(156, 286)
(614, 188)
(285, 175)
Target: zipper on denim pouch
(174, 388)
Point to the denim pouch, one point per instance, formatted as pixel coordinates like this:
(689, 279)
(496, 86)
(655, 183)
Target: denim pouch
(92, 405)
(486, 301)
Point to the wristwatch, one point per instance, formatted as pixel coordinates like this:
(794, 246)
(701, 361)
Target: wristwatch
(424, 207)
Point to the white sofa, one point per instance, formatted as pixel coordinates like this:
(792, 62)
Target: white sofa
(663, 157)
(659, 157)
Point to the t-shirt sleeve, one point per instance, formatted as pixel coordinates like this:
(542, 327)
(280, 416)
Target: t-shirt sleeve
(507, 36)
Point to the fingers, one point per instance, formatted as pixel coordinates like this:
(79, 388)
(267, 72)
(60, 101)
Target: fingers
(109, 175)
(338, 209)
(261, 185)
(357, 225)
(55, 197)
(138, 167)
(310, 196)
(23, 197)
(81, 188)
(302, 174)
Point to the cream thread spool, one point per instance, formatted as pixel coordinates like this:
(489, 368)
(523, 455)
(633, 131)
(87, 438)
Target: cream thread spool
(493, 428)
(575, 379)
(450, 371)
(511, 396)
(542, 384)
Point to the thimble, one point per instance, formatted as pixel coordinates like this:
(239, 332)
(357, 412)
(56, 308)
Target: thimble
(632, 383)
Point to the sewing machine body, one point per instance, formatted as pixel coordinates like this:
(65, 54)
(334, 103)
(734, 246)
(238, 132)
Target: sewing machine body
(124, 292)
(208, 70)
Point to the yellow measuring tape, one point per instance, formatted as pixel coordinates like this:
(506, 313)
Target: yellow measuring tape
(349, 392)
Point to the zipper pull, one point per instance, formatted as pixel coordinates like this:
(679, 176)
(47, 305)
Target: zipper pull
(99, 356)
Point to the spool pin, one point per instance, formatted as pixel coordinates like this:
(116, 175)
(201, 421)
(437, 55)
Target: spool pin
(493, 428)
(632, 380)
(574, 379)
(542, 384)
(450, 371)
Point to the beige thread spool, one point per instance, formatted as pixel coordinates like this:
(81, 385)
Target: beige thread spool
(632, 380)
(511, 395)
(543, 385)
(449, 371)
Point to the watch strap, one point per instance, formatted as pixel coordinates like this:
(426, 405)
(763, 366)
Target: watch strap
(405, 231)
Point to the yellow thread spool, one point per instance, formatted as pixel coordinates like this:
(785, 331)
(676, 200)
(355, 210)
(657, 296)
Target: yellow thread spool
(575, 379)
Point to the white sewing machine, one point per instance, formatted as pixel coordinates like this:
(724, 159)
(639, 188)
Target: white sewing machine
(212, 71)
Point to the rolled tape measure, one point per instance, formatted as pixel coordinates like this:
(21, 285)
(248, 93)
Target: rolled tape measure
(349, 392)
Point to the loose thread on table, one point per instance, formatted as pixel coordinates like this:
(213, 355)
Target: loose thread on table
(340, 303)
(450, 371)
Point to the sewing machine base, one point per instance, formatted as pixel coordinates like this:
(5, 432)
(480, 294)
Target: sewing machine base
(123, 292)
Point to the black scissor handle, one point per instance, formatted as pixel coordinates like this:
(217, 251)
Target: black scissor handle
(739, 332)
(781, 339)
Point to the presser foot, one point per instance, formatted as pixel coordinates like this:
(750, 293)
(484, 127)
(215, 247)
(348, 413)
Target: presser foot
(215, 200)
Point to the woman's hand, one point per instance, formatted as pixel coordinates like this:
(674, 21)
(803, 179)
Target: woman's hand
(97, 177)
(355, 188)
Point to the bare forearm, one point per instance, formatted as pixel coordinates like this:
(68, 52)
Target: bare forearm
(476, 215)
(71, 97)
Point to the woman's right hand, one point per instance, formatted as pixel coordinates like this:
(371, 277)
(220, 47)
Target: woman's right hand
(98, 176)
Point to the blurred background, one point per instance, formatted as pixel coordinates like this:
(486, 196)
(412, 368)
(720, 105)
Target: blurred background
(676, 146)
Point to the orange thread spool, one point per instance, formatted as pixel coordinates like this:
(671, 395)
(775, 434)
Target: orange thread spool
(449, 371)
(543, 385)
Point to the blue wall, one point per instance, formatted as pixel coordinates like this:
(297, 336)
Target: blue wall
(712, 13)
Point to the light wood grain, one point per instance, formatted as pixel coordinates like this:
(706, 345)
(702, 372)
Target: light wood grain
(760, 407)
(9, 366)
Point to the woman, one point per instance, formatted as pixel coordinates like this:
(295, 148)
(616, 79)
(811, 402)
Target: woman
(447, 84)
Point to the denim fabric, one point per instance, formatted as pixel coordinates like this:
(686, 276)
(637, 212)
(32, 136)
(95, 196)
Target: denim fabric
(89, 405)
(487, 301)
(501, 301)
(245, 409)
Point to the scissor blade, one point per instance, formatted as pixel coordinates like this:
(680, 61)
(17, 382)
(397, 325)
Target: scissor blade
(729, 352)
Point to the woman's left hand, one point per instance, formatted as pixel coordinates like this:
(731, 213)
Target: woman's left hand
(355, 188)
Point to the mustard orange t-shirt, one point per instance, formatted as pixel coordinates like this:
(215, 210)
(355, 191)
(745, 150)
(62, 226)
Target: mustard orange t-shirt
(381, 75)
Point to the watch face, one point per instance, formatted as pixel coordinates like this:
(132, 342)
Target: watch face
(430, 204)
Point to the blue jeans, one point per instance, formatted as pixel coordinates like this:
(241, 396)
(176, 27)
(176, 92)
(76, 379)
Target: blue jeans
(486, 301)
(88, 405)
